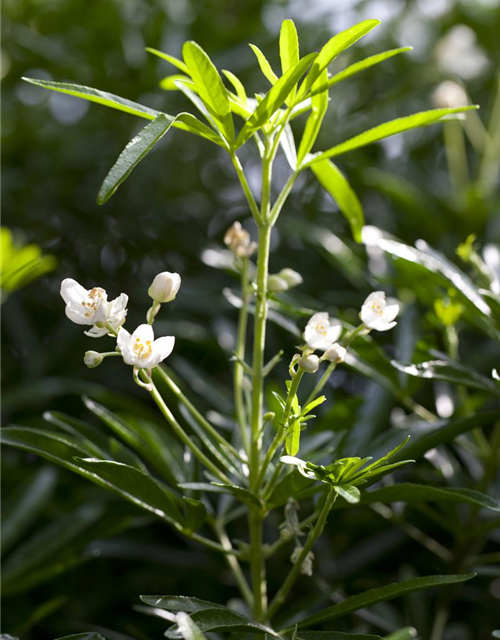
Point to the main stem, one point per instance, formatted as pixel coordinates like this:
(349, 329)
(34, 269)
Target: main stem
(256, 516)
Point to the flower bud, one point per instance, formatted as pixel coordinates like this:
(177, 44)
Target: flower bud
(277, 284)
(164, 287)
(92, 359)
(291, 277)
(309, 363)
(238, 241)
(336, 353)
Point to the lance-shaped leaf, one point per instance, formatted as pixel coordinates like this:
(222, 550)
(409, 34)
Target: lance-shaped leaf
(332, 180)
(224, 620)
(274, 99)
(264, 65)
(335, 635)
(391, 128)
(289, 49)
(319, 106)
(352, 69)
(172, 59)
(449, 371)
(195, 514)
(333, 48)
(101, 97)
(134, 152)
(415, 493)
(91, 635)
(136, 486)
(210, 87)
(292, 442)
(381, 594)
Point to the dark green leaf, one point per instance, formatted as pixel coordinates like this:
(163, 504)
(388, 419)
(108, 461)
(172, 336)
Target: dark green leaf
(348, 492)
(415, 493)
(333, 181)
(335, 635)
(243, 495)
(101, 97)
(219, 619)
(210, 87)
(181, 603)
(195, 514)
(24, 506)
(381, 594)
(91, 635)
(136, 486)
(391, 128)
(134, 152)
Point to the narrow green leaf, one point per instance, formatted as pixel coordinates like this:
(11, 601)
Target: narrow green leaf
(415, 493)
(174, 61)
(243, 495)
(387, 129)
(91, 635)
(406, 633)
(288, 145)
(195, 514)
(357, 67)
(169, 83)
(210, 87)
(293, 438)
(332, 180)
(319, 106)
(95, 95)
(348, 492)
(136, 486)
(449, 371)
(274, 99)
(180, 603)
(390, 454)
(24, 507)
(333, 48)
(134, 152)
(265, 67)
(237, 84)
(381, 594)
(225, 620)
(289, 49)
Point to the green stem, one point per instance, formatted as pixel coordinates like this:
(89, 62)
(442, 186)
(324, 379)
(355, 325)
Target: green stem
(233, 563)
(280, 200)
(278, 438)
(314, 534)
(194, 411)
(183, 436)
(240, 352)
(246, 188)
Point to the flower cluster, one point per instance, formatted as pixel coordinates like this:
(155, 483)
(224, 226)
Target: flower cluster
(139, 349)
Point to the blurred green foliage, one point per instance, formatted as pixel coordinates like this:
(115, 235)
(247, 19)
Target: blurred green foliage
(172, 215)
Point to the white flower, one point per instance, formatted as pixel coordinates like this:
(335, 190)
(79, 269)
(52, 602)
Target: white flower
(291, 277)
(321, 332)
(377, 314)
(92, 307)
(165, 287)
(450, 94)
(141, 349)
(336, 353)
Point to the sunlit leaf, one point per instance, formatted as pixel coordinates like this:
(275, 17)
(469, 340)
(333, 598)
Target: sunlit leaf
(289, 49)
(264, 65)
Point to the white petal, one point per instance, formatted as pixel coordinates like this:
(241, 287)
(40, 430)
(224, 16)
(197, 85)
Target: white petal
(311, 336)
(385, 326)
(96, 332)
(119, 304)
(124, 343)
(292, 460)
(376, 295)
(76, 313)
(144, 332)
(321, 316)
(72, 291)
(334, 331)
(390, 312)
(369, 317)
(163, 347)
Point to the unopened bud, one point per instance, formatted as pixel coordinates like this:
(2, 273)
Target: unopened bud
(238, 241)
(309, 363)
(164, 287)
(277, 284)
(336, 353)
(306, 568)
(291, 277)
(92, 359)
(270, 415)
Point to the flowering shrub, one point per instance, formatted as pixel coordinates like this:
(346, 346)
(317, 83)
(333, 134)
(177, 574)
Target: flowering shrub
(255, 468)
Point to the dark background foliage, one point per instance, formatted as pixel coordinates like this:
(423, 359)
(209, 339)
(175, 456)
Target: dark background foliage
(176, 207)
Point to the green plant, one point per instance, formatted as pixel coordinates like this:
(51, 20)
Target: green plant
(248, 468)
